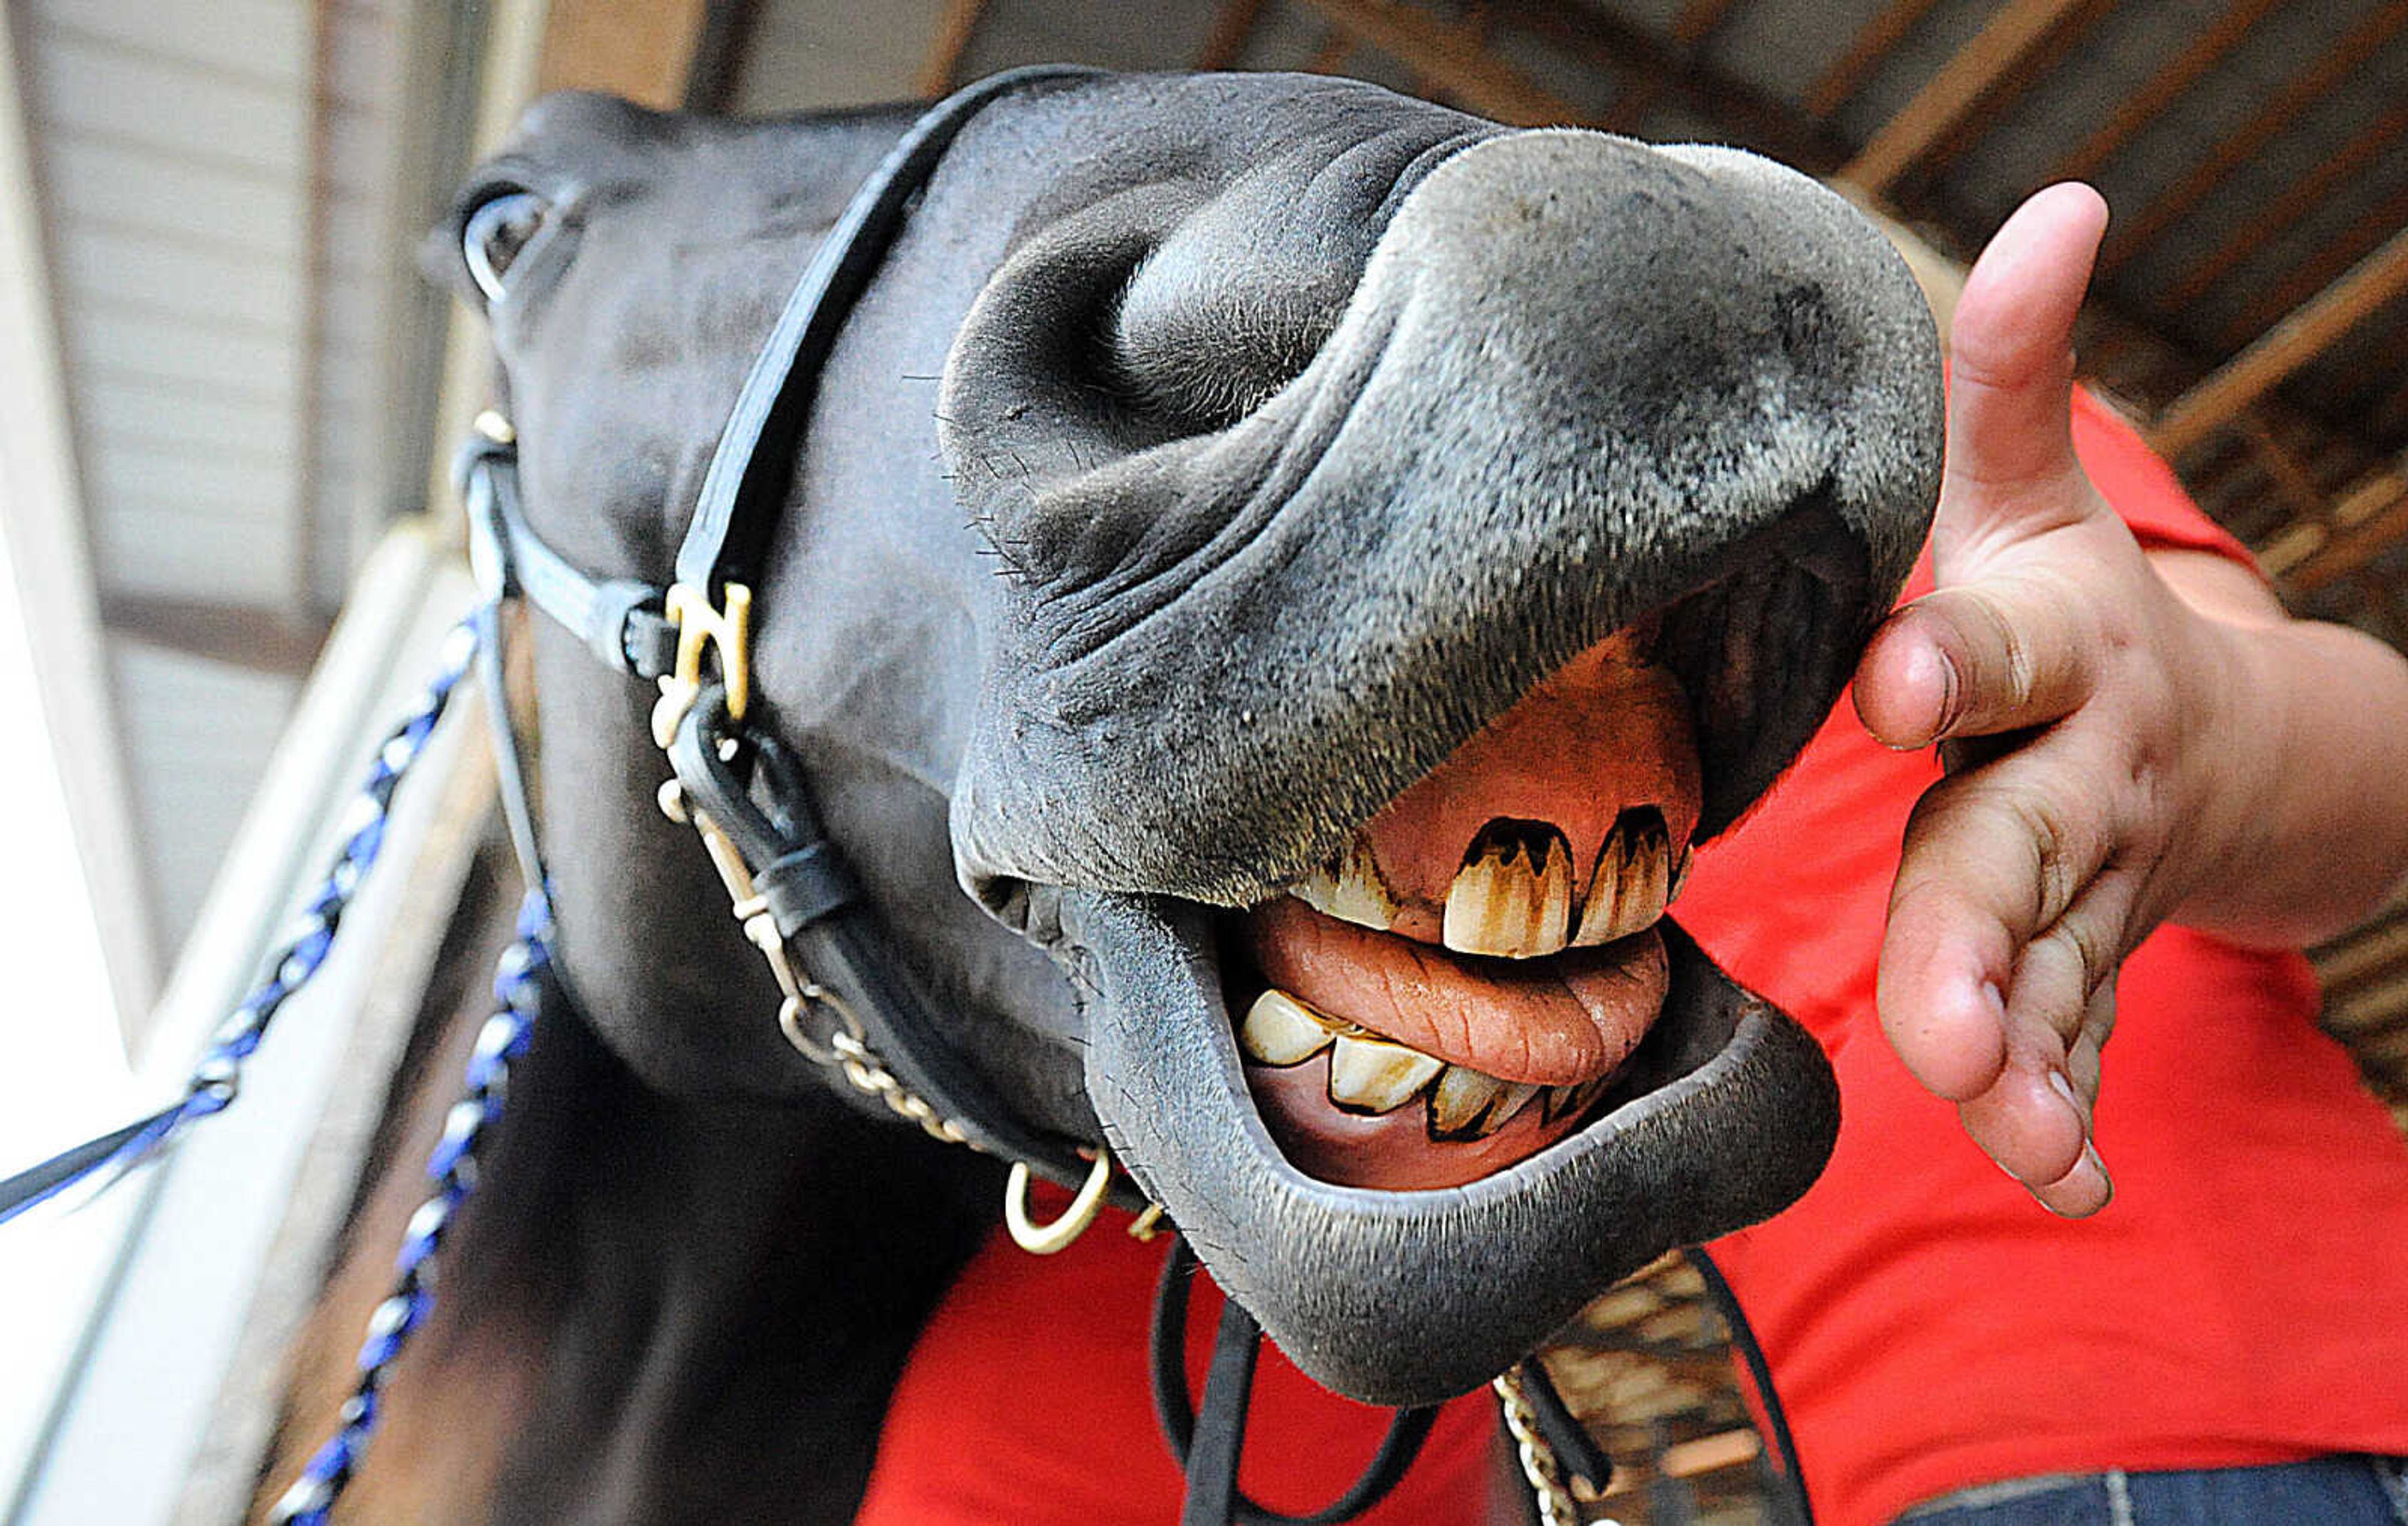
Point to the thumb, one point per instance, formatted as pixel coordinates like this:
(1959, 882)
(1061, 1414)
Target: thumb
(2011, 372)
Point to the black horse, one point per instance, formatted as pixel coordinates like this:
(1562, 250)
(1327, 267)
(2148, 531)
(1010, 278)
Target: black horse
(1225, 499)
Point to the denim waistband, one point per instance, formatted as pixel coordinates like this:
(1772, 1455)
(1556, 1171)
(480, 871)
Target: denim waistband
(2349, 1488)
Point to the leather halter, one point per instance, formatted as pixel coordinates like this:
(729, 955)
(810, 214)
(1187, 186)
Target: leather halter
(749, 791)
(748, 794)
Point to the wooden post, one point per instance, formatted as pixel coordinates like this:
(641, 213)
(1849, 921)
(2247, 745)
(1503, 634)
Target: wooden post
(643, 49)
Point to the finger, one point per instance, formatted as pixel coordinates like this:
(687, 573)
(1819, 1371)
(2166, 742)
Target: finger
(1995, 656)
(2037, 1121)
(1990, 860)
(2012, 354)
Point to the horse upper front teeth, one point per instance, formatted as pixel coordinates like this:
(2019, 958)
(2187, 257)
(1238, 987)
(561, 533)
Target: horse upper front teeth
(1633, 880)
(1513, 895)
(1351, 889)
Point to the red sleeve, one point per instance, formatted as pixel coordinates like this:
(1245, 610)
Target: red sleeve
(2144, 489)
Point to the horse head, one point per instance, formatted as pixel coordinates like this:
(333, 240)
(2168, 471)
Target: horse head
(1279, 577)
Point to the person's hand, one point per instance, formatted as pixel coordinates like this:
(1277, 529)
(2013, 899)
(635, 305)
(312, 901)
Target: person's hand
(2077, 701)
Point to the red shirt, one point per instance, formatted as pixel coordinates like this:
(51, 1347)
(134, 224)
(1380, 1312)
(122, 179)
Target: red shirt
(2243, 1300)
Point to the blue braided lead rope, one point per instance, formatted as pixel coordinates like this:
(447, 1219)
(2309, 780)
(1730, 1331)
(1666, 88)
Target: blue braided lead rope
(518, 989)
(217, 1078)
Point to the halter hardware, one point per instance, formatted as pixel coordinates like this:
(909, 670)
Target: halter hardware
(1046, 1239)
(727, 628)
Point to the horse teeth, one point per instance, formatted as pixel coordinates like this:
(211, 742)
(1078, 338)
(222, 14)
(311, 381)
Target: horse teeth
(1370, 1076)
(1459, 1104)
(1571, 1101)
(1279, 1030)
(1513, 897)
(1633, 878)
(1351, 889)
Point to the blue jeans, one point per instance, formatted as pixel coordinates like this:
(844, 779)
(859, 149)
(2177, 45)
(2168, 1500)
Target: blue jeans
(2325, 1491)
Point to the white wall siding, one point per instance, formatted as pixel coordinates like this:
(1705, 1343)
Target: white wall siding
(206, 731)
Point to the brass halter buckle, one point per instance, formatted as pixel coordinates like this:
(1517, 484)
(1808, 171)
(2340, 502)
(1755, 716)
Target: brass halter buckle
(728, 629)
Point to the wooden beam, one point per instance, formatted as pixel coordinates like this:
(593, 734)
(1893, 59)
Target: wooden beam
(1709, 1454)
(2036, 66)
(1337, 47)
(259, 640)
(955, 25)
(2351, 550)
(1751, 117)
(643, 49)
(2289, 345)
(2321, 270)
(2163, 89)
(1961, 85)
(2290, 478)
(1692, 29)
(2368, 1019)
(1453, 58)
(2303, 196)
(1231, 27)
(1872, 43)
(2363, 955)
(2306, 90)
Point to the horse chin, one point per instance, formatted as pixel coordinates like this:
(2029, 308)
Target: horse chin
(1723, 1115)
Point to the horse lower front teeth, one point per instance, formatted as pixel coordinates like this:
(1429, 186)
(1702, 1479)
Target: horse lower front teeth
(1279, 1030)
(1378, 1078)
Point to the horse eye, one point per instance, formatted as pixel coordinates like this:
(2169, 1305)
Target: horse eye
(496, 233)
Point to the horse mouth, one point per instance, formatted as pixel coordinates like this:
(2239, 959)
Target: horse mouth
(1416, 1104)
(1461, 985)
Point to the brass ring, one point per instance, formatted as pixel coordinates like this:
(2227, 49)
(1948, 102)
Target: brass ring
(1045, 1239)
(789, 1022)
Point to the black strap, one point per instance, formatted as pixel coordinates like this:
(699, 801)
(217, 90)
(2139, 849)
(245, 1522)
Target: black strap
(1796, 1509)
(745, 487)
(1220, 1441)
(747, 782)
(1209, 1449)
(1576, 1451)
(618, 619)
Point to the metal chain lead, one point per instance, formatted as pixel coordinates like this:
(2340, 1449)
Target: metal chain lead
(846, 1050)
(1540, 1467)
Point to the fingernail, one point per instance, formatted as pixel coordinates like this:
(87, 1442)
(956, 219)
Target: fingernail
(1925, 666)
(2062, 1084)
(2089, 1166)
